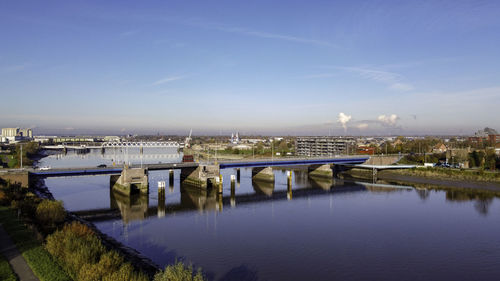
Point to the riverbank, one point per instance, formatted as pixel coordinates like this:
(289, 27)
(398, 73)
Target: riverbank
(418, 176)
(32, 250)
(131, 255)
(452, 174)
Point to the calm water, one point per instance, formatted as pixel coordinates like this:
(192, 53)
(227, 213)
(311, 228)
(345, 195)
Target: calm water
(320, 230)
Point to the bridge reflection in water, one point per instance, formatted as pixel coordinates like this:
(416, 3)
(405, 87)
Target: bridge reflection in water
(136, 207)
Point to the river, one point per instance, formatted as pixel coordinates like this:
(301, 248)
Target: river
(319, 230)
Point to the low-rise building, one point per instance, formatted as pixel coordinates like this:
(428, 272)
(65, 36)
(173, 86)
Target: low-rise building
(493, 139)
(439, 148)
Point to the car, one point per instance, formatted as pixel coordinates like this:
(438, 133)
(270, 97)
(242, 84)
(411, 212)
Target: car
(44, 168)
(102, 166)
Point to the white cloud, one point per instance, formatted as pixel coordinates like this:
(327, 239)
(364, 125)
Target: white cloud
(403, 87)
(240, 30)
(167, 80)
(362, 126)
(389, 120)
(394, 81)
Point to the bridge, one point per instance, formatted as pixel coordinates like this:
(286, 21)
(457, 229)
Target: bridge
(205, 175)
(119, 144)
(160, 144)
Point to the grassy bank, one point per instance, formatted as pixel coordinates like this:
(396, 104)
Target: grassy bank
(452, 174)
(72, 250)
(6, 272)
(40, 261)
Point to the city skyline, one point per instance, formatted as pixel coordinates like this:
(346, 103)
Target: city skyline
(291, 68)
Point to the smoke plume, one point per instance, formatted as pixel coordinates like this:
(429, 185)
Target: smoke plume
(343, 120)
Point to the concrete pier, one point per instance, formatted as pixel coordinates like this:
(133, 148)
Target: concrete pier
(130, 181)
(263, 174)
(324, 171)
(21, 178)
(199, 176)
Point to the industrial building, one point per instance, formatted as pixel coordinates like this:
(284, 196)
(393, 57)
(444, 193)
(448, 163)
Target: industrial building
(324, 146)
(16, 134)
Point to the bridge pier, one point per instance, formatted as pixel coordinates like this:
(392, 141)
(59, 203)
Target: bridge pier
(323, 171)
(375, 174)
(130, 180)
(200, 176)
(21, 178)
(263, 174)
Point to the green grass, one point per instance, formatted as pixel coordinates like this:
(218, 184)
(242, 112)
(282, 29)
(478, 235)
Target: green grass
(40, 261)
(6, 272)
(453, 174)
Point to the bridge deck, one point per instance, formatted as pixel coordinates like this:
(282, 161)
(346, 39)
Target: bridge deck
(56, 172)
(292, 162)
(82, 171)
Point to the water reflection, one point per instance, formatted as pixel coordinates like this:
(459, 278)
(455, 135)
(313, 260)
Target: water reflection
(194, 198)
(482, 201)
(132, 207)
(263, 187)
(321, 182)
(252, 231)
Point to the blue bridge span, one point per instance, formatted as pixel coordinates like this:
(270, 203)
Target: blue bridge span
(243, 163)
(292, 162)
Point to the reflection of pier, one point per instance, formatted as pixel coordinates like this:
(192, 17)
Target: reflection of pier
(196, 199)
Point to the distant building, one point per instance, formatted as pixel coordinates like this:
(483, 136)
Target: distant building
(439, 148)
(10, 132)
(497, 148)
(324, 146)
(26, 133)
(485, 132)
(235, 139)
(493, 139)
(486, 135)
(16, 134)
(242, 147)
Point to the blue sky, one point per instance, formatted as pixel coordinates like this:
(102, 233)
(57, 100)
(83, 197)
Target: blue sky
(282, 67)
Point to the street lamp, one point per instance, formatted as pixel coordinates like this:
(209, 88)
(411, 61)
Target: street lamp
(21, 156)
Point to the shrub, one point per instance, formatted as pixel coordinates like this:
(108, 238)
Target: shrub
(179, 272)
(80, 252)
(4, 199)
(126, 272)
(74, 246)
(39, 260)
(50, 212)
(28, 206)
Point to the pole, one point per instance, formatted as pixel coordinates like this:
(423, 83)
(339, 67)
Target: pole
(21, 156)
(272, 150)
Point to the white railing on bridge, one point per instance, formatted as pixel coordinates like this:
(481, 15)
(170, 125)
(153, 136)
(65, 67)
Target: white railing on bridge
(166, 144)
(120, 157)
